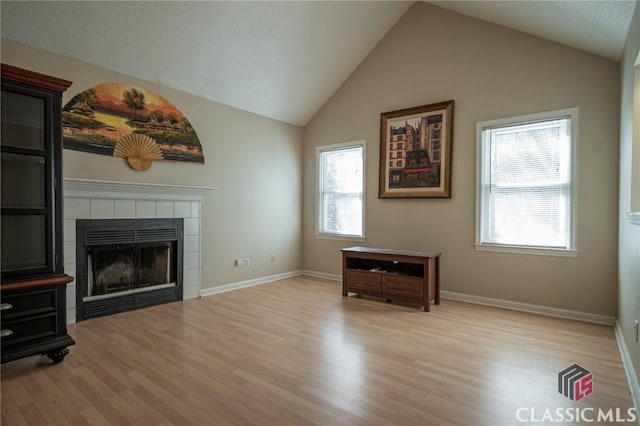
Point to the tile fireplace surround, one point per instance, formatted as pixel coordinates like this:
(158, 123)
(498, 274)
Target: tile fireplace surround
(94, 199)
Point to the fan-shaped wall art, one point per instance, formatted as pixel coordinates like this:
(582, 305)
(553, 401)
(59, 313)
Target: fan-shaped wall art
(129, 122)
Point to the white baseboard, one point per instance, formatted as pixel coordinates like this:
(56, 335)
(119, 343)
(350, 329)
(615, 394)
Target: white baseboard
(249, 283)
(632, 377)
(323, 275)
(525, 307)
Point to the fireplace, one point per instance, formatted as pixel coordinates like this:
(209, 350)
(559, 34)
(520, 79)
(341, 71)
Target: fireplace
(127, 264)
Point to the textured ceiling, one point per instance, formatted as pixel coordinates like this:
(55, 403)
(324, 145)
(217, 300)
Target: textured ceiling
(282, 60)
(597, 26)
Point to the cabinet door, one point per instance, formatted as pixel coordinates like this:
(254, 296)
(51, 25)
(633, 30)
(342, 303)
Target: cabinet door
(23, 181)
(23, 244)
(23, 119)
(27, 180)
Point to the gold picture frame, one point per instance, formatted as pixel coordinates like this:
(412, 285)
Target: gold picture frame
(415, 152)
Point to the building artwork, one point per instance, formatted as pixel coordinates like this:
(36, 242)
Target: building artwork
(415, 152)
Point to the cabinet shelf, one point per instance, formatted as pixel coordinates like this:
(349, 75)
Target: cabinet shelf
(386, 266)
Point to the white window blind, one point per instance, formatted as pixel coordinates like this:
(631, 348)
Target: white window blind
(340, 189)
(526, 184)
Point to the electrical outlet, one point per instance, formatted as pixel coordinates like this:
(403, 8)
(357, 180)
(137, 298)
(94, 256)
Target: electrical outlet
(246, 262)
(637, 331)
(237, 262)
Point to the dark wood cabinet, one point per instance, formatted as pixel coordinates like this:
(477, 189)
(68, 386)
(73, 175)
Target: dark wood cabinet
(33, 290)
(407, 276)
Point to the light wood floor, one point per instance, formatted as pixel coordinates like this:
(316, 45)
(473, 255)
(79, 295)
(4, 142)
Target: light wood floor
(295, 352)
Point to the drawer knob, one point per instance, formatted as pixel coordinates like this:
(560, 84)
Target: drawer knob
(6, 333)
(5, 306)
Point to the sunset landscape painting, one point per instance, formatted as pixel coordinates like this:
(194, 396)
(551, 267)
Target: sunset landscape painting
(111, 115)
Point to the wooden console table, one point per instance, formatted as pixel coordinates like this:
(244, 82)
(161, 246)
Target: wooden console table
(408, 276)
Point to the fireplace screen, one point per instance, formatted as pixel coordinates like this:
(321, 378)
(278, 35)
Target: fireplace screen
(122, 269)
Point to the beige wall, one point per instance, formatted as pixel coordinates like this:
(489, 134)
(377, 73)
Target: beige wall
(433, 55)
(254, 163)
(629, 234)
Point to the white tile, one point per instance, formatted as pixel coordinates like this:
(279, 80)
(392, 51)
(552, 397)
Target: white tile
(145, 209)
(192, 226)
(71, 315)
(71, 295)
(190, 292)
(70, 268)
(70, 252)
(195, 209)
(164, 209)
(190, 278)
(191, 243)
(191, 260)
(69, 229)
(102, 209)
(125, 209)
(183, 209)
(76, 208)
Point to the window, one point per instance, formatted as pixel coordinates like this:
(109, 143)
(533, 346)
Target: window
(526, 183)
(340, 190)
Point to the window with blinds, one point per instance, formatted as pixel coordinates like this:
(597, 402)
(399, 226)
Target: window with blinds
(526, 182)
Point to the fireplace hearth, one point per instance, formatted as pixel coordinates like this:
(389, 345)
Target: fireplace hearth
(127, 264)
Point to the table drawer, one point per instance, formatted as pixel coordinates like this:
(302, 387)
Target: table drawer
(363, 281)
(30, 302)
(404, 286)
(22, 330)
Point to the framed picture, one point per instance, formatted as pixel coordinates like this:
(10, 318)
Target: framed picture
(415, 152)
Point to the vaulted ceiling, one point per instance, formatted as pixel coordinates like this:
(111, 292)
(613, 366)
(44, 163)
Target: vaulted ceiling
(282, 60)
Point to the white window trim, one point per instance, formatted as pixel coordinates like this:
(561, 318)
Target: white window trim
(328, 235)
(634, 214)
(518, 249)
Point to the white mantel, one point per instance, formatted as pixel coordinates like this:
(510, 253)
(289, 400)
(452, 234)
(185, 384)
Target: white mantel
(90, 188)
(99, 199)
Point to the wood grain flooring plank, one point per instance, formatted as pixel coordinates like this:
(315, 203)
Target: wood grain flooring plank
(295, 352)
